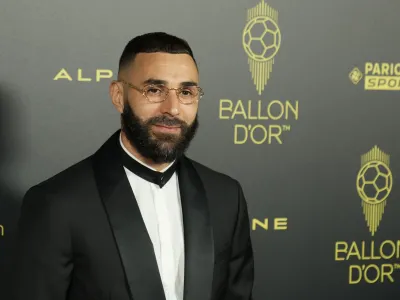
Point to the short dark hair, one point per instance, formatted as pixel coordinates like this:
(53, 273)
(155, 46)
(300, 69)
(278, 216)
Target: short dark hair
(153, 42)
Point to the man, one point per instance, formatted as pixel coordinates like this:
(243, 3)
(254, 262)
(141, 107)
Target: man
(138, 219)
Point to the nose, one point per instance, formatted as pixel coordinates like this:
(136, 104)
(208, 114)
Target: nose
(171, 105)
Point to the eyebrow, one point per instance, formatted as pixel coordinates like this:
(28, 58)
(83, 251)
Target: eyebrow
(164, 82)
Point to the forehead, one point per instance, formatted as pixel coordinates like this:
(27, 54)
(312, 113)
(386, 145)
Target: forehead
(173, 68)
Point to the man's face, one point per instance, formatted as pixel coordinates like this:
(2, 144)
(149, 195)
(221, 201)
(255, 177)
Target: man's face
(160, 131)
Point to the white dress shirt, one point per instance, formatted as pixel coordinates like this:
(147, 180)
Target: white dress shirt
(162, 214)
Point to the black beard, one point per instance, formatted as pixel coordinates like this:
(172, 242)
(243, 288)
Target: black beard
(159, 147)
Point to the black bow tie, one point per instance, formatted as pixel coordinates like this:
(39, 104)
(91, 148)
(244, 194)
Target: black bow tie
(159, 178)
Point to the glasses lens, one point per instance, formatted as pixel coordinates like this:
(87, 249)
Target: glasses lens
(189, 94)
(158, 93)
(155, 93)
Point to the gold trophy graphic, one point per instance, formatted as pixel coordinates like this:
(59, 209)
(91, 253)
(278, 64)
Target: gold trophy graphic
(374, 184)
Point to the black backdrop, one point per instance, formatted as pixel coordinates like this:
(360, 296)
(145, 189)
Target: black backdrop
(295, 140)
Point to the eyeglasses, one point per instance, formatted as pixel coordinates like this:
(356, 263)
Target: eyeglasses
(159, 93)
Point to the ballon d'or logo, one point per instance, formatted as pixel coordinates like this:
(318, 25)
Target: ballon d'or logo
(261, 41)
(374, 184)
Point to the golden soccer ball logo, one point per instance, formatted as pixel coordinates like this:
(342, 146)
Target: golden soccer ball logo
(261, 38)
(374, 182)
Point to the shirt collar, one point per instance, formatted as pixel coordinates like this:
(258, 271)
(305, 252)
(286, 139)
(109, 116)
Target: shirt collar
(143, 170)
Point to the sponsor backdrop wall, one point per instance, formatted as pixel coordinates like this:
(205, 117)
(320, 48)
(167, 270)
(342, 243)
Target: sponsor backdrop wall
(301, 104)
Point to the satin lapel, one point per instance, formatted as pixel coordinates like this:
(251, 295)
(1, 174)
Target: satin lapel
(199, 242)
(130, 233)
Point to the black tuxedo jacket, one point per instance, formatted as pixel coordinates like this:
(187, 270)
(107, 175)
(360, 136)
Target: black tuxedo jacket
(81, 236)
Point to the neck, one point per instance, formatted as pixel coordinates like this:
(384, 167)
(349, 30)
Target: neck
(134, 152)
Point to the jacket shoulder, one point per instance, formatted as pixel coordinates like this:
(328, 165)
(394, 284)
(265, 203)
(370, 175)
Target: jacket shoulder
(208, 174)
(224, 192)
(52, 199)
(69, 179)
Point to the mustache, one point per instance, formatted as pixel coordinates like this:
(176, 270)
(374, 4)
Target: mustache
(164, 120)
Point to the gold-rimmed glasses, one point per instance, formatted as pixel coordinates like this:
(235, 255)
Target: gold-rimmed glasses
(156, 93)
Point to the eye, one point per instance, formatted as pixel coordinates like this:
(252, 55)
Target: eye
(188, 92)
(153, 90)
